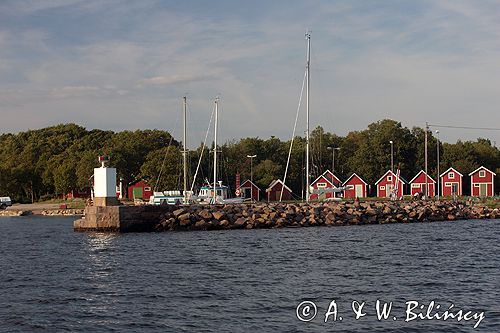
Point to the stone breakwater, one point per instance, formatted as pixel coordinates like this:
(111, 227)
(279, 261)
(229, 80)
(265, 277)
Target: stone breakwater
(263, 215)
(317, 214)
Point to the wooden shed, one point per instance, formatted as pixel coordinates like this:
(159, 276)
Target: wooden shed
(250, 190)
(387, 183)
(451, 183)
(355, 186)
(482, 182)
(274, 191)
(140, 190)
(417, 184)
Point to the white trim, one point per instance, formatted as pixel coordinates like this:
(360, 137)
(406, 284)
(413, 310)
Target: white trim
(482, 167)
(336, 178)
(383, 177)
(382, 187)
(354, 174)
(314, 182)
(249, 181)
(482, 173)
(389, 178)
(274, 182)
(451, 175)
(418, 174)
(451, 168)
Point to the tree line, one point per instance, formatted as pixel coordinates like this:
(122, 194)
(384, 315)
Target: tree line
(49, 162)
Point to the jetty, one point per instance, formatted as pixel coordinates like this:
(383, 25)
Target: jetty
(149, 218)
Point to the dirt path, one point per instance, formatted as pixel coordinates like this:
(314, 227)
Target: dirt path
(36, 207)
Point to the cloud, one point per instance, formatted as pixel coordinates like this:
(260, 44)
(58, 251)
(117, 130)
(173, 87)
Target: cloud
(122, 65)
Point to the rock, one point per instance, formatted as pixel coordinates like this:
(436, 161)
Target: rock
(219, 215)
(240, 222)
(179, 211)
(185, 223)
(201, 225)
(185, 216)
(205, 214)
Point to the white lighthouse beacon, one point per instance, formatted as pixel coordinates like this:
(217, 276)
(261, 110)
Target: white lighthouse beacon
(105, 184)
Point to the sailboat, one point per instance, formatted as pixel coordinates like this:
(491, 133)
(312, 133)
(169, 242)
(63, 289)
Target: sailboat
(216, 193)
(176, 197)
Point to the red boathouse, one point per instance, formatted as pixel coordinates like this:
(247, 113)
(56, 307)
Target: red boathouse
(482, 182)
(355, 187)
(387, 182)
(417, 184)
(451, 183)
(274, 191)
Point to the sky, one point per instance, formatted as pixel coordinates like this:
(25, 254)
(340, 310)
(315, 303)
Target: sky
(125, 65)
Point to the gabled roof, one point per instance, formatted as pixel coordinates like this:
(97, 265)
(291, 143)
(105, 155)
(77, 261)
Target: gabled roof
(352, 176)
(138, 181)
(327, 175)
(482, 167)
(324, 177)
(418, 174)
(276, 181)
(449, 169)
(249, 181)
(394, 175)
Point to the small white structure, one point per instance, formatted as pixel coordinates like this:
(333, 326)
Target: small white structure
(105, 184)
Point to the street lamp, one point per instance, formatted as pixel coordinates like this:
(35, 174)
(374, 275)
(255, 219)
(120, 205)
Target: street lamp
(333, 156)
(392, 155)
(438, 187)
(251, 157)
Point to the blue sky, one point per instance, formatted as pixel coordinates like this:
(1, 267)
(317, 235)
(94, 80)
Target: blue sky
(126, 64)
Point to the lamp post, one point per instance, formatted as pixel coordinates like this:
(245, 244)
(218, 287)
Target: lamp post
(392, 155)
(333, 156)
(438, 176)
(251, 157)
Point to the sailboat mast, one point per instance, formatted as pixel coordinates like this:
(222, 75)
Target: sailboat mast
(308, 37)
(215, 147)
(184, 153)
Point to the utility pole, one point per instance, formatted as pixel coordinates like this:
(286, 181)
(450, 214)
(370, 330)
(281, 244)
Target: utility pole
(251, 157)
(438, 176)
(426, 174)
(392, 155)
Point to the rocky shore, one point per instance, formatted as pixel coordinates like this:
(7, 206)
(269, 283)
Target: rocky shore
(15, 212)
(44, 212)
(61, 212)
(262, 215)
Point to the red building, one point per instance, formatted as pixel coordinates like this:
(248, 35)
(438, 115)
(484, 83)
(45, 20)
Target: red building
(355, 186)
(274, 191)
(482, 182)
(140, 190)
(82, 194)
(451, 183)
(387, 183)
(250, 190)
(417, 184)
(324, 182)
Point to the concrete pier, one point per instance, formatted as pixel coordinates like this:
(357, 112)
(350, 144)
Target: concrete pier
(121, 218)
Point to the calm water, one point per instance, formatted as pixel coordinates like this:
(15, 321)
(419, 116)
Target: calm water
(52, 279)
